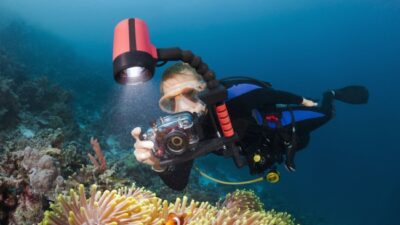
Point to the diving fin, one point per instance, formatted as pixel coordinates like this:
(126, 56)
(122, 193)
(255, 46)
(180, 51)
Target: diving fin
(353, 94)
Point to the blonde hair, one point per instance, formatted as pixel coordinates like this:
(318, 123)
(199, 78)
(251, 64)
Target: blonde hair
(180, 72)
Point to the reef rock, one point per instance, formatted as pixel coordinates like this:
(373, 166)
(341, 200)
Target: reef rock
(27, 179)
(42, 171)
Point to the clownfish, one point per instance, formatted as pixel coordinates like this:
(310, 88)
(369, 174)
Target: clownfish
(174, 219)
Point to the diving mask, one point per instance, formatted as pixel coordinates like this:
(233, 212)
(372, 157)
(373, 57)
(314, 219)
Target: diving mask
(183, 97)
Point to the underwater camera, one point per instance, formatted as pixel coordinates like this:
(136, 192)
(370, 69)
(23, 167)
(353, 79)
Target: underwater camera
(173, 135)
(179, 137)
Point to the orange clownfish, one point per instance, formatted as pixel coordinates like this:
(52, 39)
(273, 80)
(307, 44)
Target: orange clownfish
(174, 219)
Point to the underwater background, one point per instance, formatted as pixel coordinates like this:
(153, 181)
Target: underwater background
(57, 87)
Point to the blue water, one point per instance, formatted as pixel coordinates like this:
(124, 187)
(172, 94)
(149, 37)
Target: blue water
(349, 172)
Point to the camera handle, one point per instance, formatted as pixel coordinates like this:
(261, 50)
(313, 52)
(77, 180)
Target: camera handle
(230, 149)
(237, 158)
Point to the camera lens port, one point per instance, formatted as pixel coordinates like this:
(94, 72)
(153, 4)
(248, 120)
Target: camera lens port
(176, 142)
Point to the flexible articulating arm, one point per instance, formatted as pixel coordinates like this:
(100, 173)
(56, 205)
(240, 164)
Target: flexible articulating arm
(193, 60)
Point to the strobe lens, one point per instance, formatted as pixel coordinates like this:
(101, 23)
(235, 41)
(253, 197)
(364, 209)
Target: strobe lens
(134, 75)
(134, 57)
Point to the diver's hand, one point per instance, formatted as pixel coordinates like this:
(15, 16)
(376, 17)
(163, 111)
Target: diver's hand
(308, 103)
(143, 151)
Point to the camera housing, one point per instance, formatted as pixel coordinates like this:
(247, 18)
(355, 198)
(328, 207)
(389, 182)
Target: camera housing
(173, 135)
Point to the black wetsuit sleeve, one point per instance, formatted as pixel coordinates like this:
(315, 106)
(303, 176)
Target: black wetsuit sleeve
(177, 176)
(271, 96)
(262, 98)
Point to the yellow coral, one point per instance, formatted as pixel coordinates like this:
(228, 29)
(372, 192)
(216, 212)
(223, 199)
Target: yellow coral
(138, 206)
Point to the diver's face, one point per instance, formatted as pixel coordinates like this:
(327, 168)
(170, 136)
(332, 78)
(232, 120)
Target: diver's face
(181, 94)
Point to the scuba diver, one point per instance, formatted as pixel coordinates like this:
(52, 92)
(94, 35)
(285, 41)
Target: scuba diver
(271, 125)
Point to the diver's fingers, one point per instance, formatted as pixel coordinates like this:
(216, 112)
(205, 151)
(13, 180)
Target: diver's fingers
(149, 162)
(152, 160)
(146, 161)
(308, 103)
(142, 154)
(136, 133)
(144, 144)
(312, 104)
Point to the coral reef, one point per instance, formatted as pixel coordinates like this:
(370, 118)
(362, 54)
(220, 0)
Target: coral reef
(31, 177)
(138, 206)
(34, 52)
(34, 102)
(41, 107)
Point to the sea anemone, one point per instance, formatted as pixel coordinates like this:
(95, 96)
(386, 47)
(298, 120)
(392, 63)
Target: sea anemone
(243, 200)
(126, 206)
(138, 206)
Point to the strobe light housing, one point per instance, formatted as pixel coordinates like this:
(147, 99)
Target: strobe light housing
(134, 57)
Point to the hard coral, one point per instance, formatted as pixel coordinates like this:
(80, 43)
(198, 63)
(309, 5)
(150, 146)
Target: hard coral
(137, 206)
